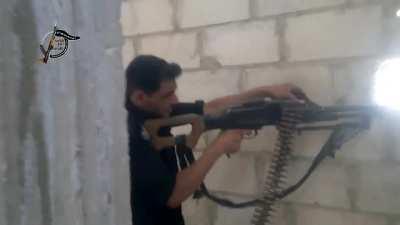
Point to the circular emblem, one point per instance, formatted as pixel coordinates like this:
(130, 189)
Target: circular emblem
(57, 45)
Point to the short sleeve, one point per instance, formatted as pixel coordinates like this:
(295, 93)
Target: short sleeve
(151, 177)
(185, 108)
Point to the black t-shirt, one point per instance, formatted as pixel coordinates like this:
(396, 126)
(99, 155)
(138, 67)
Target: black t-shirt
(153, 173)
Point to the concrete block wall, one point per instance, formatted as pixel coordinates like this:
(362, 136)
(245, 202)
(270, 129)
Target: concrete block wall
(330, 48)
(63, 145)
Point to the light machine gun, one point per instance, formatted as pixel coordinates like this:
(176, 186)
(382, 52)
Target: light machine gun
(290, 118)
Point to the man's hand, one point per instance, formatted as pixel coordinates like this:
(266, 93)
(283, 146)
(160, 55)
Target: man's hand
(285, 91)
(279, 91)
(229, 141)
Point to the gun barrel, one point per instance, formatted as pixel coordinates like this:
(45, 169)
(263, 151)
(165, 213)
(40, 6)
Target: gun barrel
(332, 113)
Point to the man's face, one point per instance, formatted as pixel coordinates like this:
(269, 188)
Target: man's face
(161, 101)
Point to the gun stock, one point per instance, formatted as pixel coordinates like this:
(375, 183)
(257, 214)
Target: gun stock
(153, 126)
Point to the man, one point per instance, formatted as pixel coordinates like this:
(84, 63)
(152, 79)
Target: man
(162, 180)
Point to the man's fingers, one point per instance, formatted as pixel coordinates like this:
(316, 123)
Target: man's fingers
(293, 97)
(297, 94)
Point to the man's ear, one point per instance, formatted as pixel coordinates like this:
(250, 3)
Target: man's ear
(137, 97)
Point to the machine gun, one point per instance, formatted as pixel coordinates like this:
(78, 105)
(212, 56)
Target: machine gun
(290, 118)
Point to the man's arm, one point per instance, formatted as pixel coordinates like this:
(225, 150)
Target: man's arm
(189, 179)
(283, 91)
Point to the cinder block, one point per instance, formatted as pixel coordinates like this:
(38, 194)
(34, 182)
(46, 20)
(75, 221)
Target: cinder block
(180, 48)
(272, 7)
(198, 212)
(354, 82)
(128, 52)
(193, 13)
(208, 85)
(227, 216)
(235, 174)
(264, 141)
(145, 16)
(378, 187)
(306, 77)
(309, 143)
(327, 186)
(335, 34)
(242, 43)
(373, 144)
(126, 19)
(317, 216)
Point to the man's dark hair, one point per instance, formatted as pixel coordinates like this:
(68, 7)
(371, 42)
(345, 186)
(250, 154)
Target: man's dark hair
(146, 72)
